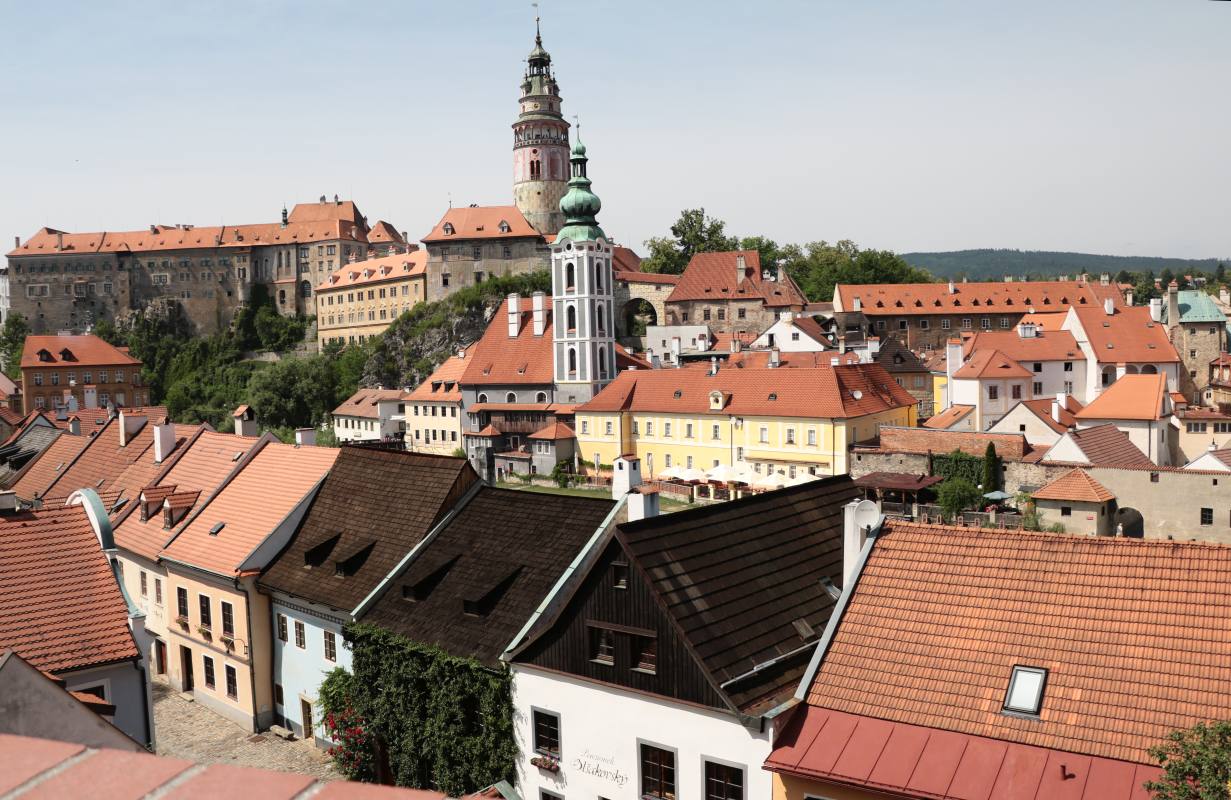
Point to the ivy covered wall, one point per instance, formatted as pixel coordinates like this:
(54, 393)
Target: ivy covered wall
(446, 723)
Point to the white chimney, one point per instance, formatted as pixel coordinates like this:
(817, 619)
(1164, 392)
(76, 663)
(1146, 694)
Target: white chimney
(514, 315)
(164, 440)
(91, 396)
(642, 504)
(74, 426)
(858, 517)
(1156, 309)
(538, 303)
(625, 475)
(305, 437)
(858, 304)
(1104, 279)
(9, 501)
(1224, 295)
(952, 288)
(874, 345)
(740, 268)
(1109, 306)
(775, 357)
(130, 425)
(1026, 330)
(713, 365)
(953, 362)
(675, 350)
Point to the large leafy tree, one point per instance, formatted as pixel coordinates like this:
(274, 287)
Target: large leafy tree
(819, 266)
(12, 339)
(1196, 763)
(694, 232)
(957, 495)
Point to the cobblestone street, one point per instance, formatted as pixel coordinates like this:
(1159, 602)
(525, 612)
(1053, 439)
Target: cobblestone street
(188, 730)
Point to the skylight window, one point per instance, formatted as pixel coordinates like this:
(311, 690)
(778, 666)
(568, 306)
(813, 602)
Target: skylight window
(1025, 694)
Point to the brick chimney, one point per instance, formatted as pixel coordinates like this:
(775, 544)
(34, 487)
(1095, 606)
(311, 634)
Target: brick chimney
(538, 304)
(59, 241)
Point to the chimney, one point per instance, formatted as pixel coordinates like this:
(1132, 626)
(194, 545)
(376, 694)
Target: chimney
(1156, 309)
(953, 362)
(841, 342)
(854, 536)
(1085, 277)
(514, 315)
(625, 475)
(858, 305)
(1056, 405)
(874, 346)
(1026, 330)
(9, 502)
(245, 422)
(90, 395)
(775, 357)
(305, 437)
(1008, 278)
(713, 365)
(164, 440)
(153, 229)
(130, 425)
(538, 302)
(952, 288)
(74, 425)
(59, 241)
(16, 242)
(1104, 279)
(642, 504)
(834, 361)
(1224, 295)
(1173, 305)
(675, 350)
(1109, 306)
(740, 268)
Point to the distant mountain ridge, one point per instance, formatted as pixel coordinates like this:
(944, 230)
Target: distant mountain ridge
(995, 264)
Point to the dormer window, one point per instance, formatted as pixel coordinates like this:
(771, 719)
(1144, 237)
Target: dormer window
(504, 227)
(448, 228)
(1025, 692)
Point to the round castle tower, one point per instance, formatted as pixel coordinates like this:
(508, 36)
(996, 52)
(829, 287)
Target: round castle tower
(540, 145)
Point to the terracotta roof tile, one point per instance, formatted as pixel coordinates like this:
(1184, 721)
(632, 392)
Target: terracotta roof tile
(1041, 408)
(498, 358)
(990, 365)
(1076, 485)
(949, 417)
(1043, 346)
(82, 351)
(1107, 445)
(909, 299)
(554, 431)
(1131, 397)
(1127, 336)
(249, 506)
(942, 614)
(481, 222)
(820, 392)
(102, 463)
(894, 439)
(365, 402)
(383, 232)
(396, 267)
(713, 276)
(60, 604)
(443, 385)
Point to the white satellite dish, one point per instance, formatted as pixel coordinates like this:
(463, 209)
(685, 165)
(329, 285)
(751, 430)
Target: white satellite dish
(867, 515)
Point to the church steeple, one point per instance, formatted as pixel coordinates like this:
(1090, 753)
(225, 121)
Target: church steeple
(540, 143)
(580, 205)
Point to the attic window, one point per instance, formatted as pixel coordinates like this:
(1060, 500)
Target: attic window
(418, 592)
(1025, 693)
(482, 606)
(806, 631)
(218, 526)
(504, 227)
(619, 574)
(773, 395)
(449, 228)
(678, 394)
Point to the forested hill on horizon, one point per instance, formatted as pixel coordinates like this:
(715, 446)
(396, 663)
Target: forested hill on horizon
(995, 264)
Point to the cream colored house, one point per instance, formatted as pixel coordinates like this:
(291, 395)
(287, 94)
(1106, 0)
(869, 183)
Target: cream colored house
(433, 415)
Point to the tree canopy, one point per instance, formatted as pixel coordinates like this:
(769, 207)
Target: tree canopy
(1196, 763)
(12, 339)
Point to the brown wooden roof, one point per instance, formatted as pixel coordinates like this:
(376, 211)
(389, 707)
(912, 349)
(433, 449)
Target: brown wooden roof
(373, 508)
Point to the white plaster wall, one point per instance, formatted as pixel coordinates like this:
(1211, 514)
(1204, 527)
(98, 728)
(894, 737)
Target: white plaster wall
(601, 728)
(1024, 421)
(782, 339)
(1151, 438)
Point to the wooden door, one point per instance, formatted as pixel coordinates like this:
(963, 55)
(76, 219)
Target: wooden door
(160, 656)
(305, 708)
(186, 668)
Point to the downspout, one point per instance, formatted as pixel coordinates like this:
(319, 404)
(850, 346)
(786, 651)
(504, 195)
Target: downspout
(251, 651)
(150, 744)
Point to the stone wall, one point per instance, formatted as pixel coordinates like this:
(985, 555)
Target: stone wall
(724, 315)
(626, 293)
(1198, 344)
(458, 261)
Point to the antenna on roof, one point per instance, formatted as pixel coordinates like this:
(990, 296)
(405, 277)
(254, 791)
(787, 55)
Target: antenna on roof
(450, 199)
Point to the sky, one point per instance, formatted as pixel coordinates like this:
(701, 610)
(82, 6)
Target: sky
(1097, 126)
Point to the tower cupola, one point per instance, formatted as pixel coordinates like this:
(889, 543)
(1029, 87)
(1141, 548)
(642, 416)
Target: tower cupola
(580, 205)
(540, 144)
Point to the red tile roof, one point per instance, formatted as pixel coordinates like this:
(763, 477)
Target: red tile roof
(396, 267)
(383, 232)
(443, 385)
(714, 276)
(106, 465)
(942, 614)
(250, 505)
(822, 392)
(634, 276)
(38, 474)
(63, 769)
(949, 417)
(341, 210)
(1131, 397)
(1043, 346)
(903, 760)
(83, 351)
(1127, 336)
(498, 359)
(894, 439)
(481, 222)
(1077, 486)
(625, 260)
(1041, 408)
(991, 365)
(1107, 445)
(908, 299)
(60, 604)
(554, 431)
(365, 402)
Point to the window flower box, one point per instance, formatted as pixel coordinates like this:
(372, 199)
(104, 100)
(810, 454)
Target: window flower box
(205, 631)
(546, 763)
(228, 641)
(183, 622)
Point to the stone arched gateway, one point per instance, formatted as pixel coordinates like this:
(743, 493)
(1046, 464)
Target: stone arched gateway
(1129, 521)
(634, 288)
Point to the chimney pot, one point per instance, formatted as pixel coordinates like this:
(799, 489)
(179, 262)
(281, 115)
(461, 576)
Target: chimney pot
(514, 315)
(952, 288)
(538, 302)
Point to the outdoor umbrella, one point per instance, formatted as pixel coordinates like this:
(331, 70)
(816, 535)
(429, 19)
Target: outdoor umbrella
(692, 474)
(997, 495)
(671, 473)
(773, 480)
(724, 474)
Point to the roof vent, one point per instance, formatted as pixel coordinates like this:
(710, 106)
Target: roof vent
(805, 631)
(773, 395)
(678, 394)
(858, 395)
(218, 526)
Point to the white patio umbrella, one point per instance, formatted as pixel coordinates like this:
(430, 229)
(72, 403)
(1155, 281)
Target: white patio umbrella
(723, 473)
(692, 474)
(670, 473)
(774, 480)
(801, 478)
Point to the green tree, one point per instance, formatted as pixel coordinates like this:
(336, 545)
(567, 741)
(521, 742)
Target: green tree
(692, 233)
(956, 495)
(820, 266)
(1196, 763)
(1220, 274)
(1124, 276)
(295, 392)
(12, 340)
(991, 469)
(1165, 279)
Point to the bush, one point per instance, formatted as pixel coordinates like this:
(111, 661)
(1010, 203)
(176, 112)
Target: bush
(1196, 763)
(354, 751)
(562, 475)
(956, 495)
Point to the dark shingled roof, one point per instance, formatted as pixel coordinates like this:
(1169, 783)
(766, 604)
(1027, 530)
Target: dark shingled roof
(736, 577)
(1107, 445)
(473, 586)
(373, 508)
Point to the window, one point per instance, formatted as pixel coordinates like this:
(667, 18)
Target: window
(1025, 694)
(1038, 367)
(924, 324)
(278, 697)
(144, 587)
(181, 601)
(667, 429)
(645, 654)
(705, 315)
(158, 591)
(1066, 511)
(282, 627)
(1068, 387)
(811, 437)
(790, 436)
(300, 641)
(688, 430)
(716, 433)
(609, 429)
(1068, 366)
(1038, 388)
(657, 773)
(206, 616)
(585, 426)
(902, 324)
(232, 683)
(985, 324)
(1222, 427)
(649, 428)
(602, 646)
(1194, 427)
(331, 646)
(1016, 391)
(764, 435)
(966, 322)
(619, 575)
(228, 619)
(945, 324)
(546, 733)
(993, 393)
(723, 782)
(1207, 516)
(208, 664)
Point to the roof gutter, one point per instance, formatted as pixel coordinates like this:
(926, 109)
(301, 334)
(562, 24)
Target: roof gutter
(380, 588)
(569, 571)
(831, 628)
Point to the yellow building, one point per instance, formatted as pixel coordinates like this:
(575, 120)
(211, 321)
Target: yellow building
(434, 410)
(756, 420)
(362, 298)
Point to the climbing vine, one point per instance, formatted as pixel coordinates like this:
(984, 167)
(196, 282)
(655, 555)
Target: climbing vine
(958, 465)
(446, 723)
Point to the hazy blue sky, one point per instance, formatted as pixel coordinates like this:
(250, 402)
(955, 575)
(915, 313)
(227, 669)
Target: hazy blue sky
(1092, 126)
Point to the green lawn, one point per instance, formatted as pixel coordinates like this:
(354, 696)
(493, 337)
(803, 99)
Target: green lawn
(664, 505)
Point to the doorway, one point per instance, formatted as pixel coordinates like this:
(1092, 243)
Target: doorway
(185, 669)
(160, 656)
(305, 708)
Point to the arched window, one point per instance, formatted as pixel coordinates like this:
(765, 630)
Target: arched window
(602, 325)
(602, 362)
(1109, 376)
(572, 362)
(305, 289)
(1131, 369)
(511, 397)
(570, 277)
(571, 316)
(482, 398)
(1149, 369)
(541, 397)
(598, 277)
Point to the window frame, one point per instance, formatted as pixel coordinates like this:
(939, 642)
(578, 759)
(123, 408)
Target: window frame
(208, 674)
(301, 635)
(1020, 669)
(535, 713)
(641, 771)
(706, 761)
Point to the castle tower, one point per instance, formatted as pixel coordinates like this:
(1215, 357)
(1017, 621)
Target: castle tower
(582, 294)
(540, 144)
